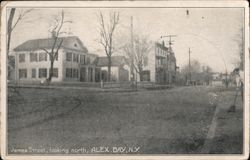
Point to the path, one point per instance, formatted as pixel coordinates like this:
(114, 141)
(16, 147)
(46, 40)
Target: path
(225, 132)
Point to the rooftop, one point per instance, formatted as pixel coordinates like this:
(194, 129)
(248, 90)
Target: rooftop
(116, 61)
(71, 42)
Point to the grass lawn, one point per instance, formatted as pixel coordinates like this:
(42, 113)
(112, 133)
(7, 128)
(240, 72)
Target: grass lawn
(154, 122)
(229, 134)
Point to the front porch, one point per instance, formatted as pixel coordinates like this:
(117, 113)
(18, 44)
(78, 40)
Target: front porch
(90, 74)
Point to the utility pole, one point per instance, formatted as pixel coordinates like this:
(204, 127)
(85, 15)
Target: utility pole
(226, 80)
(132, 48)
(170, 39)
(189, 65)
(170, 43)
(134, 74)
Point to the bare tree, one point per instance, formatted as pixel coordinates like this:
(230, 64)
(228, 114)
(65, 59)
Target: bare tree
(127, 50)
(12, 24)
(193, 71)
(55, 30)
(137, 54)
(240, 41)
(207, 74)
(107, 30)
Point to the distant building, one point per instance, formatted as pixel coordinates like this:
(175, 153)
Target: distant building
(223, 79)
(216, 76)
(119, 68)
(73, 63)
(160, 65)
(165, 64)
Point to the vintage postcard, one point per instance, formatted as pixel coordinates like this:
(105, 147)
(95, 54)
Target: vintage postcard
(125, 80)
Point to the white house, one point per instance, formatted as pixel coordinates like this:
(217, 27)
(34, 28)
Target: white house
(33, 63)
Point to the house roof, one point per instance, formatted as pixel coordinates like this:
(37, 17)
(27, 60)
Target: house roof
(115, 61)
(47, 43)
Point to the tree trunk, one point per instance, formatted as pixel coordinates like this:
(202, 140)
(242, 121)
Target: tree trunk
(141, 76)
(51, 71)
(140, 69)
(109, 68)
(10, 20)
(132, 78)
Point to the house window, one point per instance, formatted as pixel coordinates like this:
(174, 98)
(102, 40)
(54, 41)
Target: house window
(55, 72)
(75, 73)
(82, 59)
(71, 73)
(33, 73)
(42, 56)
(160, 61)
(42, 72)
(21, 58)
(22, 73)
(75, 57)
(68, 72)
(33, 57)
(146, 75)
(68, 56)
(88, 60)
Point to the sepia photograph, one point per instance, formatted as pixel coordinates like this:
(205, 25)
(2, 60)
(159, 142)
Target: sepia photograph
(124, 79)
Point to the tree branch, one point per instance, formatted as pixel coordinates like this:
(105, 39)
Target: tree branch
(49, 53)
(21, 15)
(59, 46)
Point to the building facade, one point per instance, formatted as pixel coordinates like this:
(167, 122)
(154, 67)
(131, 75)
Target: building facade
(160, 65)
(165, 64)
(119, 68)
(72, 63)
(75, 63)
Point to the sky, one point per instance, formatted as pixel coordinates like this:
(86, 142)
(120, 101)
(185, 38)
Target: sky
(212, 34)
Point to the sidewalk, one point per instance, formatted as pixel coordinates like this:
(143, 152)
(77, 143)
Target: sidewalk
(225, 135)
(51, 86)
(71, 87)
(89, 87)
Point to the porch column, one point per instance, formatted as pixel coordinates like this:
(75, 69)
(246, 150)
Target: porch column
(79, 73)
(87, 74)
(118, 74)
(100, 74)
(93, 74)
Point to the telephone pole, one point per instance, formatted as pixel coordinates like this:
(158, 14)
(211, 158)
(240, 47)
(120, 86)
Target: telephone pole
(170, 39)
(189, 65)
(134, 74)
(132, 48)
(170, 43)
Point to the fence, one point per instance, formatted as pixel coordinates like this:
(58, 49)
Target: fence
(134, 85)
(105, 85)
(60, 84)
